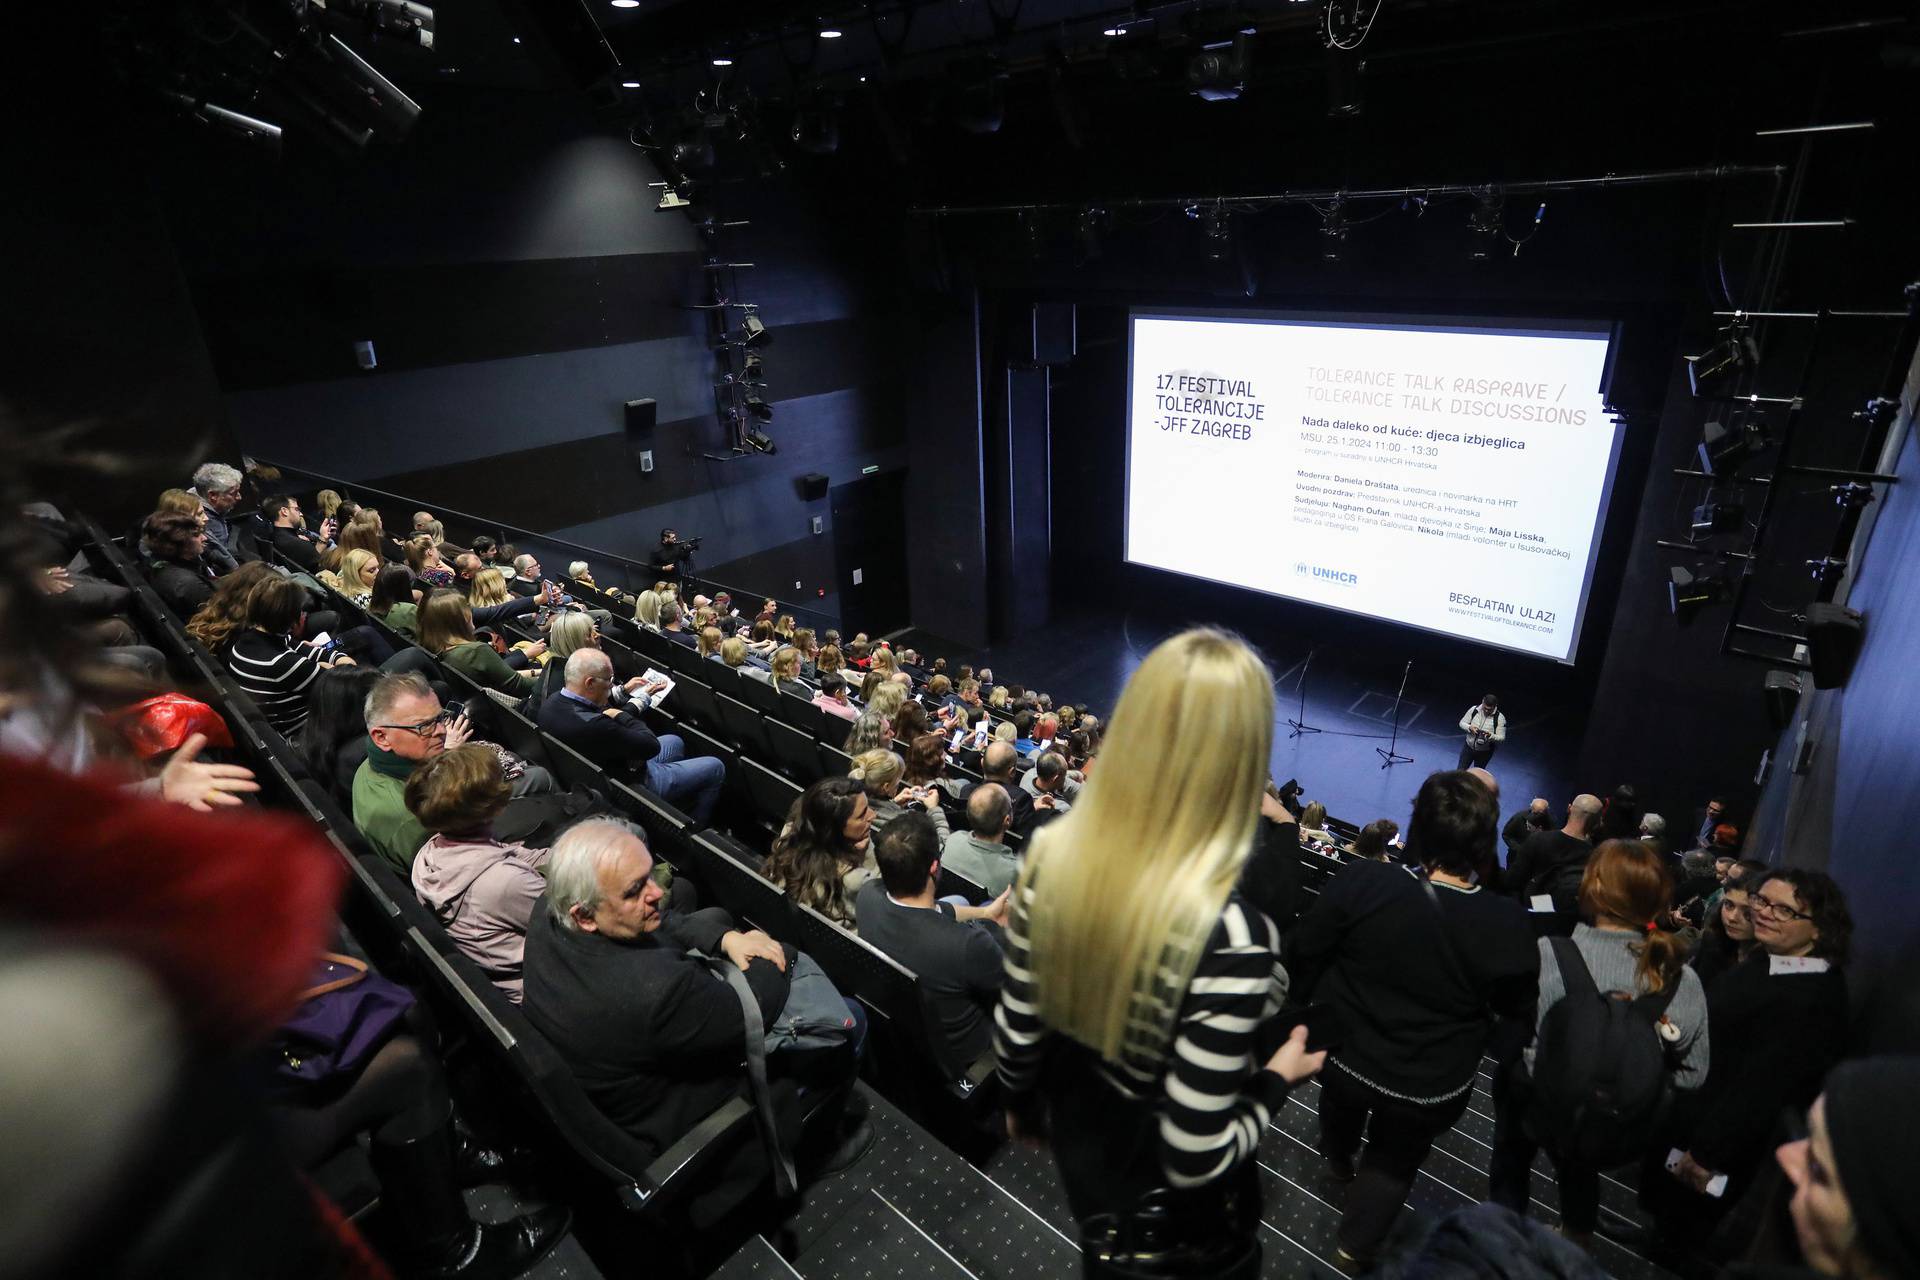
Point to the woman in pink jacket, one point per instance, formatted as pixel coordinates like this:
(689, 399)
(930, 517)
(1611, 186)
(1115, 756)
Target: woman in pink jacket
(483, 890)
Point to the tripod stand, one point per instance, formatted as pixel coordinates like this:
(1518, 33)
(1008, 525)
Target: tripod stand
(1388, 756)
(1299, 723)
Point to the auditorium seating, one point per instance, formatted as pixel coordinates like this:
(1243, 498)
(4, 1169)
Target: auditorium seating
(773, 745)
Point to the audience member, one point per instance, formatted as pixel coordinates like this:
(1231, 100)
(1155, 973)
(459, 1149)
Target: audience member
(671, 626)
(786, 672)
(217, 485)
(619, 741)
(655, 1040)
(268, 659)
(1706, 819)
(288, 536)
(426, 562)
(1138, 979)
(954, 951)
(406, 725)
(1374, 839)
(980, 853)
(225, 611)
(334, 742)
(392, 600)
(1779, 1021)
(871, 732)
(1726, 936)
(482, 889)
(1551, 863)
(1313, 823)
(825, 853)
(733, 654)
(832, 697)
(1416, 967)
(1047, 784)
(489, 587)
(1621, 955)
(447, 632)
(570, 633)
(180, 575)
(882, 772)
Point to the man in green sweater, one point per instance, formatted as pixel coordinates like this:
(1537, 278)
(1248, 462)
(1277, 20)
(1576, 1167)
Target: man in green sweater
(405, 725)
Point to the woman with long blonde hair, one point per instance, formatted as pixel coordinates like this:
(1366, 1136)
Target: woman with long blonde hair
(489, 588)
(1138, 977)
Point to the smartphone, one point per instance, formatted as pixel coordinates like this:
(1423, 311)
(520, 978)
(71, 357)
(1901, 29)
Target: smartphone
(1326, 1029)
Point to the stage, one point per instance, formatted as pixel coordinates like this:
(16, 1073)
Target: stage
(1086, 659)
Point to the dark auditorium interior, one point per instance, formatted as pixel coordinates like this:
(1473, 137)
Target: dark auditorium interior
(567, 563)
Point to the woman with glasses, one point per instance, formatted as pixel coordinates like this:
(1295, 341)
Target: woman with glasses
(1778, 1021)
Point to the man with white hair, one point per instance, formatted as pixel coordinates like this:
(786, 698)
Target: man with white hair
(423, 522)
(618, 740)
(217, 485)
(653, 1038)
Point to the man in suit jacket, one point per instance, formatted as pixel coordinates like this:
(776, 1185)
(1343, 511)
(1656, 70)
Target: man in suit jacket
(953, 950)
(654, 1039)
(618, 740)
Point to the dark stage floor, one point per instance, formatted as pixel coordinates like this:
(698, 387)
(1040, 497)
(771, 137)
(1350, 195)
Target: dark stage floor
(1087, 659)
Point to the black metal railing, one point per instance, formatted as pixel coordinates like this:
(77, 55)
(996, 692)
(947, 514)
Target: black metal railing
(634, 576)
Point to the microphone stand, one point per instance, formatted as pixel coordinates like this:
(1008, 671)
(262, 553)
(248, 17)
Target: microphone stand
(1299, 723)
(1388, 755)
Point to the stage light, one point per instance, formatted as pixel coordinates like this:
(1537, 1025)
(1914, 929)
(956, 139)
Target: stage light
(759, 439)
(1688, 590)
(629, 84)
(757, 405)
(1488, 224)
(723, 62)
(1333, 233)
(1725, 447)
(751, 374)
(752, 331)
(694, 153)
(1718, 517)
(829, 33)
(1219, 225)
(1218, 73)
(1734, 352)
(626, 4)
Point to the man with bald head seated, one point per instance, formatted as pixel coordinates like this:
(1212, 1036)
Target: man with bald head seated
(1000, 764)
(619, 741)
(1550, 863)
(980, 852)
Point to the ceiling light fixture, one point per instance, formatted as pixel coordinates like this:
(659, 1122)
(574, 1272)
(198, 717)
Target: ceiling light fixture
(830, 33)
(629, 84)
(626, 4)
(723, 62)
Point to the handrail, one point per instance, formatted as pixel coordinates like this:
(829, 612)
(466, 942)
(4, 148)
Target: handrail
(637, 575)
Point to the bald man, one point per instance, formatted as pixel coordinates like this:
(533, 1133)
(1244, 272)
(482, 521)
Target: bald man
(1550, 863)
(582, 716)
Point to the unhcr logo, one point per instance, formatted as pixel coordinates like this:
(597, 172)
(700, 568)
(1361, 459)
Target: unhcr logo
(1340, 576)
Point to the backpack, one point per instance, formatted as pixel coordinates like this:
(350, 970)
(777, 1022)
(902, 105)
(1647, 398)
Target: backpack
(1601, 1072)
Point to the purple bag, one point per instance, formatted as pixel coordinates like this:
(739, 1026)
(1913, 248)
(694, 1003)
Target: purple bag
(343, 1019)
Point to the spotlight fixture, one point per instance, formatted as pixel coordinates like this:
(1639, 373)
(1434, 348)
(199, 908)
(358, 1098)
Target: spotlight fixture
(1333, 233)
(751, 373)
(1488, 224)
(674, 195)
(758, 439)
(756, 405)
(1725, 446)
(1735, 351)
(1218, 73)
(1689, 589)
(1219, 225)
(1713, 517)
(752, 331)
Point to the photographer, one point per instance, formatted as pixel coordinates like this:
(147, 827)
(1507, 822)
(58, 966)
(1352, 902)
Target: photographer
(881, 773)
(671, 557)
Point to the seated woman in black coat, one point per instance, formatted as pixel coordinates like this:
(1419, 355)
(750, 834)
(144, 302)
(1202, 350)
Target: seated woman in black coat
(335, 739)
(175, 543)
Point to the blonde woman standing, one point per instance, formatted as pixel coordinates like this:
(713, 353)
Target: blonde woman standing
(1138, 978)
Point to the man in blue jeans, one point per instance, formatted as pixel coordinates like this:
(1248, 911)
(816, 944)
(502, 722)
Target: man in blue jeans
(618, 740)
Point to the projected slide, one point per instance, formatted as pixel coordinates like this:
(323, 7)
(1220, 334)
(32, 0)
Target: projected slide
(1436, 475)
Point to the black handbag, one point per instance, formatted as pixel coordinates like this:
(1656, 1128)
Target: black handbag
(1207, 1231)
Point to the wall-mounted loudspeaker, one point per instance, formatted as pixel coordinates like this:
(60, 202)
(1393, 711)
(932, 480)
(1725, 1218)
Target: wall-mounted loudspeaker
(640, 414)
(813, 486)
(1834, 633)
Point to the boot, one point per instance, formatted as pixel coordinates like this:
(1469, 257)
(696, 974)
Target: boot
(442, 1242)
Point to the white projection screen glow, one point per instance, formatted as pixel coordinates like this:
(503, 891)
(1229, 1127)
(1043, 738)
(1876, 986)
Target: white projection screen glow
(1449, 475)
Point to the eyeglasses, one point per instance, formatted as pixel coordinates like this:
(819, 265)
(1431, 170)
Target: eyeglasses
(425, 727)
(1761, 904)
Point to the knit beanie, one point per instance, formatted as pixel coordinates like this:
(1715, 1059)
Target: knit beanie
(1873, 1111)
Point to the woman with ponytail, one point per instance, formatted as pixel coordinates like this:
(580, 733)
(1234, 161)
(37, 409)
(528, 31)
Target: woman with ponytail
(1130, 1031)
(1623, 895)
